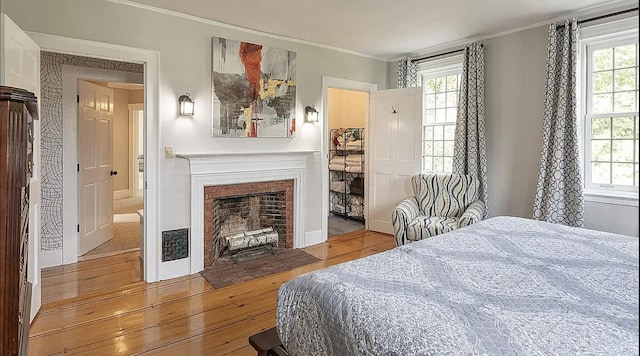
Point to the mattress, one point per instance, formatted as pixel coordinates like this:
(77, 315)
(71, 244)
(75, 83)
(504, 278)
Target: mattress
(503, 286)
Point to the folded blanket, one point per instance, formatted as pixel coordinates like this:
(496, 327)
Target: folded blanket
(338, 186)
(357, 145)
(354, 169)
(354, 159)
(357, 211)
(339, 208)
(336, 167)
(338, 160)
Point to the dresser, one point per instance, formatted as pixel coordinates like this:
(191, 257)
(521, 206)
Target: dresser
(18, 110)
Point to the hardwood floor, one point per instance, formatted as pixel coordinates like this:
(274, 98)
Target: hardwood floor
(99, 307)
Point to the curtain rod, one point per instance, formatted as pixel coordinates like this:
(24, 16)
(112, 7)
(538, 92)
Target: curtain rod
(604, 16)
(579, 22)
(440, 54)
(437, 55)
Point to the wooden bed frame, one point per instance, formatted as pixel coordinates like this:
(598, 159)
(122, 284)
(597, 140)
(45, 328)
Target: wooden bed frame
(267, 343)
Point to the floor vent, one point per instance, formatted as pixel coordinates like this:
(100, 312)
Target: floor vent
(175, 244)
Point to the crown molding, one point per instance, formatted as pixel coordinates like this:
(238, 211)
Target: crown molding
(242, 29)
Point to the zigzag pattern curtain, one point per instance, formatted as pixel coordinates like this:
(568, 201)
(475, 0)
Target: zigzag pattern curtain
(470, 148)
(559, 196)
(407, 75)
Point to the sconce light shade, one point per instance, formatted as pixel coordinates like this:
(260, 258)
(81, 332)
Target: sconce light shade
(311, 114)
(186, 104)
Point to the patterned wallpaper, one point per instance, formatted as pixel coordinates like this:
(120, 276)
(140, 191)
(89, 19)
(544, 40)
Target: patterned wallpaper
(51, 136)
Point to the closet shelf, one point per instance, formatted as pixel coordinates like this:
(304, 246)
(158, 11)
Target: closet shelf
(361, 218)
(346, 172)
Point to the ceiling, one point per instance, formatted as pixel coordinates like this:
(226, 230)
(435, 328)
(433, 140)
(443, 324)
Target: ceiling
(380, 28)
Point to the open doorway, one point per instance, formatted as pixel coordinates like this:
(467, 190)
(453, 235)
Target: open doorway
(126, 142)
(347, 111)
(141, 63)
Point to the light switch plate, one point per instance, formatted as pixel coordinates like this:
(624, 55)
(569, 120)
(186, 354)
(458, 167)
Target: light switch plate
(168, 152)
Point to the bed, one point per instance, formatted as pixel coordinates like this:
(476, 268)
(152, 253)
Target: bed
(503, 286)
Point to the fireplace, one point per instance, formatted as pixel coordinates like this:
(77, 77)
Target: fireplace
(241, 208)
(225, 170)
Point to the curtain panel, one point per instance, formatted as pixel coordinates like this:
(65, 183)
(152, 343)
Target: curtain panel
(470, 149)
(407, 75)
(559, 197)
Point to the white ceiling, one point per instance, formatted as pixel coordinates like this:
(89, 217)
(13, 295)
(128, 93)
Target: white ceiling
(380, 28)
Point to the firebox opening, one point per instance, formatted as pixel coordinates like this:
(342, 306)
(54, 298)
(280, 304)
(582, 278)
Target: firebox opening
(252, 213)
(248, 214)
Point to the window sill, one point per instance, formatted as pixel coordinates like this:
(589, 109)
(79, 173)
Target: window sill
(614, 198)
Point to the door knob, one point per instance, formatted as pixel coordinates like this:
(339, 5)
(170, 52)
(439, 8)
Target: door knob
(113, 173)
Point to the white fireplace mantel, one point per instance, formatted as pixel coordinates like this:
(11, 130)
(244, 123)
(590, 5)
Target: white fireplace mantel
(210, 169)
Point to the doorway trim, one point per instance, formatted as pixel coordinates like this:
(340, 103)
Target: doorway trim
(338, 83)
(133, 148)
(150, 60)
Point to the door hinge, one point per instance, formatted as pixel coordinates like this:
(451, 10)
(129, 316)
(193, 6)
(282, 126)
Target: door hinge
(78, 168)
(78, 227)
(78, 99)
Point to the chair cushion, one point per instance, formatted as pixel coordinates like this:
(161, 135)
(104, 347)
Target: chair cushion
(427, 226)
(445, 195)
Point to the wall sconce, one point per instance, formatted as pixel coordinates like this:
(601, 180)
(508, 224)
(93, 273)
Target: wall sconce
(311, 114)
(186, 104)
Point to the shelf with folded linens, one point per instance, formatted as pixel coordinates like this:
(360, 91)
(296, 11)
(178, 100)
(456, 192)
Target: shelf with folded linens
(346, 172)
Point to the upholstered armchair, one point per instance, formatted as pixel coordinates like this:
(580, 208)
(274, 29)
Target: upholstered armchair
(440, 203)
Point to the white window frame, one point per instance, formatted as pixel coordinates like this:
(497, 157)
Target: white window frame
(431, 69)
(592, 38)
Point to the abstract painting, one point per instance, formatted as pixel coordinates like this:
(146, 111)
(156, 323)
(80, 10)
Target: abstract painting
(254, 90)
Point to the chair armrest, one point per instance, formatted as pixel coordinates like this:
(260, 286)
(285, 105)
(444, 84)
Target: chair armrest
(402, 215)
(473, 214)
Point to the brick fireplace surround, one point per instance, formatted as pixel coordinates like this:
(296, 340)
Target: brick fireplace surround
(211, 193)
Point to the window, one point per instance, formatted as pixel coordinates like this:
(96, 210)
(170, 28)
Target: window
(441, 86)
(610, 105)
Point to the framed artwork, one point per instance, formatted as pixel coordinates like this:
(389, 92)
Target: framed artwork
(254, 90)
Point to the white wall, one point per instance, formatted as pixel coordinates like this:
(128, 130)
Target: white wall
(185, 66)
(121, 139)
(514, 99)
(346, 108)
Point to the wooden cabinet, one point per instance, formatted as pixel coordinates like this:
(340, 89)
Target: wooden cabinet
(18, 110)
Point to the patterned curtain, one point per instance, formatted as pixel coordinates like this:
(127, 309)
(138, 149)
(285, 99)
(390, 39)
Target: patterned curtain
(559, 192)
(407, 75)
(469, 153)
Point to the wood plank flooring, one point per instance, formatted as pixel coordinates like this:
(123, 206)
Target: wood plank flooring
(100, 307)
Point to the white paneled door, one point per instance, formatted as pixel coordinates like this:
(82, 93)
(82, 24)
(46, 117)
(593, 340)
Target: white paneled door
(95, 167)
(395, 151)
(20, 68)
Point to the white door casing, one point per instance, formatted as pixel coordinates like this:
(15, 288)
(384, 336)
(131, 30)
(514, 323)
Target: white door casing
(151, 60)
(95, 157)
(395, 151)
(347, 84)
(136, 147)
(20, 68)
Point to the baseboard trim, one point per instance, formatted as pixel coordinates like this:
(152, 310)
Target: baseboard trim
(36, 300)
(50, 258)
(121, 194)
(313, 238)
(173, 269)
